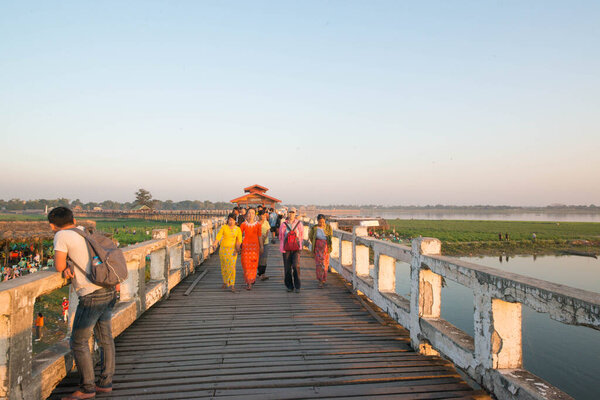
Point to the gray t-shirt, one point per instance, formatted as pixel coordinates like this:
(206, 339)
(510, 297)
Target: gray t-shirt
(74, 245)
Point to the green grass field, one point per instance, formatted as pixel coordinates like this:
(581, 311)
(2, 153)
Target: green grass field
(122, 229)
(22, 217)
(481, 237)
(474, 231)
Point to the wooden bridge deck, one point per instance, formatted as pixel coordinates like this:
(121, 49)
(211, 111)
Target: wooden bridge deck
(271, 344)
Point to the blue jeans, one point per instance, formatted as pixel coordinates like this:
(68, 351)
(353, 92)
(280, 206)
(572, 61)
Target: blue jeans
(94, 313)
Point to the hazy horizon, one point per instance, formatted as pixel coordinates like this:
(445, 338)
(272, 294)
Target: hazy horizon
(333, 204)
(341, 102)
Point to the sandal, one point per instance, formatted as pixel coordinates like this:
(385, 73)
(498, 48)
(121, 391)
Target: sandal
(79, 395)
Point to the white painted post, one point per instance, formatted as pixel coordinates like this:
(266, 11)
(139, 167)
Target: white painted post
(430, 294)
(346, 258)
(335, 247)
(157, 264)
(507, 351)
(498, 332)
(130, 287)
(155, 260)
(360, 254)
(387, 274)
(189, 227)
(425, 291)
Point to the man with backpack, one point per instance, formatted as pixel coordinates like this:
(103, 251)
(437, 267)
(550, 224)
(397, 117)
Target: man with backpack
(291, 234)
(79, 255)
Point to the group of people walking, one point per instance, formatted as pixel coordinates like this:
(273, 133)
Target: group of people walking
(247, 235)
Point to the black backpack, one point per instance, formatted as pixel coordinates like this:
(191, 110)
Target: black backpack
(113, 268)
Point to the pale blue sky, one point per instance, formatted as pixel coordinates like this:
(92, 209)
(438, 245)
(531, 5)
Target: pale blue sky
(385, 102)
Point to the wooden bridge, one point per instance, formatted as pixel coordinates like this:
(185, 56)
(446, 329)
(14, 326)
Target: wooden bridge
(271, 344)
(359, 337)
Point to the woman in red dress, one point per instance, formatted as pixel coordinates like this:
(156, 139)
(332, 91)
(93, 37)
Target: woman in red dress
(252, 247)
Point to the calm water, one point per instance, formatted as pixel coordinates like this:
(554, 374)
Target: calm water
(532, 216)
(564, 355)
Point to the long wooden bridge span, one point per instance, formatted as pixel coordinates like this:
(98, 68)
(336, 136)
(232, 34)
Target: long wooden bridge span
(179, 335)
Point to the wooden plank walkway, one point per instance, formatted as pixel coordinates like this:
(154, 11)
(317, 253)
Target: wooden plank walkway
(271, 344)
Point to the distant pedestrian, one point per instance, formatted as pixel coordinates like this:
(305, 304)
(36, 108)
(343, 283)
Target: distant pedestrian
(65, 309)
(242, 216)
(291, 236)
(262, 261)
(39, 327)
(533, 237)
(320, 243)
(252, 247)
(230, 239)
(500, 236)
(506, 236)
(273, 222)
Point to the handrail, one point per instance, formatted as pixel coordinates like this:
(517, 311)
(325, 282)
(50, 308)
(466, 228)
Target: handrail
(493, 357)
(23, 376)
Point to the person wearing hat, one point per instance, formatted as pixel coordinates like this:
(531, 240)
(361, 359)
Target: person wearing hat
(293, 230)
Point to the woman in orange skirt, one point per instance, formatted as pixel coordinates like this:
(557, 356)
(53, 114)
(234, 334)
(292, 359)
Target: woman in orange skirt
(252, 247)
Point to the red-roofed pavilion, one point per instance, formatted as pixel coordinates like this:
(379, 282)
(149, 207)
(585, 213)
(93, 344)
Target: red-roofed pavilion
(256, 196)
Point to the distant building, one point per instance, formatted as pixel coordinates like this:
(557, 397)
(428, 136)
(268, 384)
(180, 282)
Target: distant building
(255, 196)
(97, 208)
(143, 208)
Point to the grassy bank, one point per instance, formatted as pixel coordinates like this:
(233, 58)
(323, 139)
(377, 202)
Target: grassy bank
(481, 237)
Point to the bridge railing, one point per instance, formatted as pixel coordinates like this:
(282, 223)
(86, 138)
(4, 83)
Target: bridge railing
(172, 258)
(493, 357)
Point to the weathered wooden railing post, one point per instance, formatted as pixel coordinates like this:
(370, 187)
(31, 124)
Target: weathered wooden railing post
(360, 255)
(425, 291)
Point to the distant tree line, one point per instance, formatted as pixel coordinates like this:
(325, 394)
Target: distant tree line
(550, 207)
(40, 204)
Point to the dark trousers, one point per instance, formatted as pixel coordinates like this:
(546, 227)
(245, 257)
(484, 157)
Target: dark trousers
(291, 269)
(94, 313)
(261, 270)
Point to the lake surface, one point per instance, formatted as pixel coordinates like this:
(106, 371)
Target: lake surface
(564, 355)
(517, 216)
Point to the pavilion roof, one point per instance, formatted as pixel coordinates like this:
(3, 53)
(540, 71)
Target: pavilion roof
(249, 196)
(257, 188)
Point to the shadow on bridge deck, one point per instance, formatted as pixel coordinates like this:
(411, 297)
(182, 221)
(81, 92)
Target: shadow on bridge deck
(271, 344)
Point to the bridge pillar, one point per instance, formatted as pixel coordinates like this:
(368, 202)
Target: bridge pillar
(425, 290)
